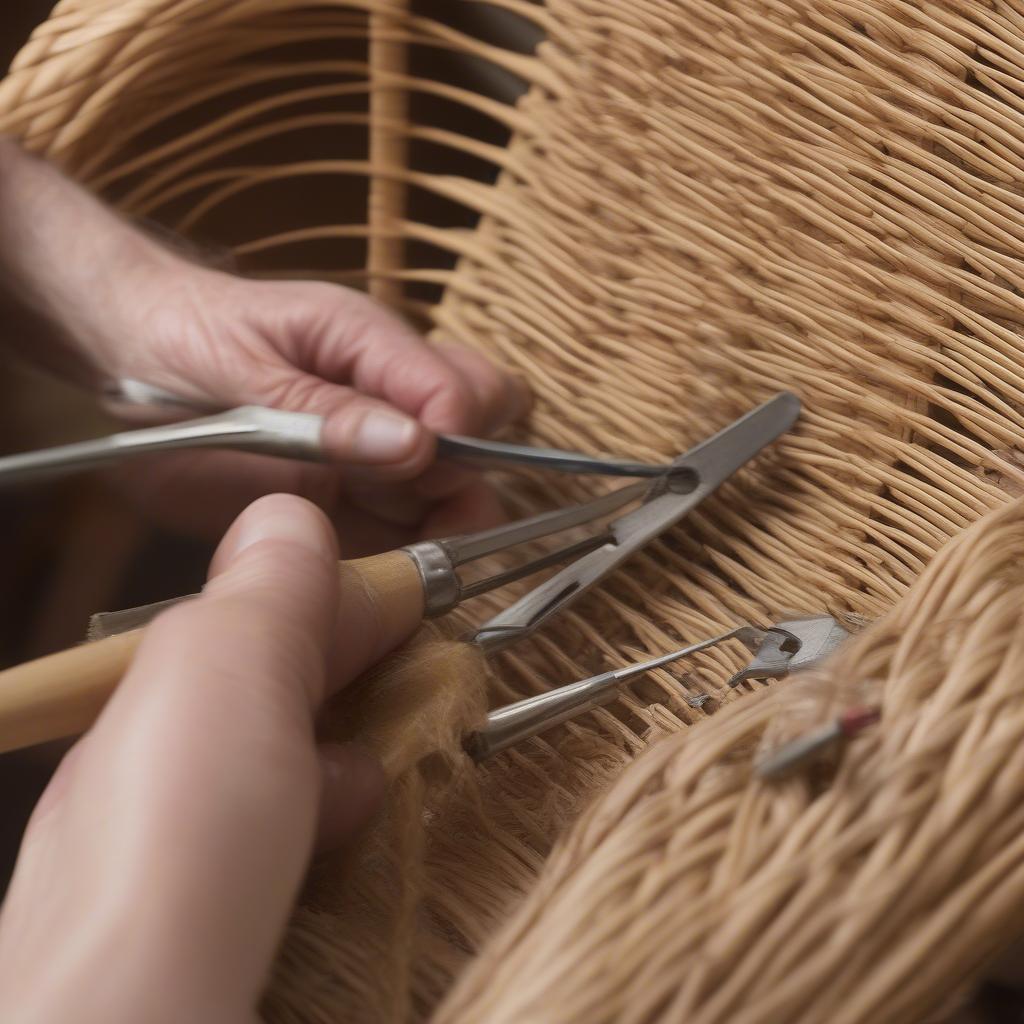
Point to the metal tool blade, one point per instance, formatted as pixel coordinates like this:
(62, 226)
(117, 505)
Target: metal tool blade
(525, 718)
(247, 428)
(498, 454)
(691, 478)
(778, 650)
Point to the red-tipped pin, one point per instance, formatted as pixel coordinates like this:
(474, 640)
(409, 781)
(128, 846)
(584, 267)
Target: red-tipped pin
(798, 753)
(855, 720)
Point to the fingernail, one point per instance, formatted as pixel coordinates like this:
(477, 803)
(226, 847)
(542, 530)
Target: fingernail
(282, 518)
(385, 436)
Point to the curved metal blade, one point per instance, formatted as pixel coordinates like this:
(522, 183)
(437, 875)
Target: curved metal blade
(489, 454)
(793, 645)
(691, 478)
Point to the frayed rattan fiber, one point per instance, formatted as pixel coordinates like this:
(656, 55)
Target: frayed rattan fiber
(691, 206)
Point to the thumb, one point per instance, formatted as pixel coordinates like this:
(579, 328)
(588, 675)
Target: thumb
(189, 813)
(370, 619)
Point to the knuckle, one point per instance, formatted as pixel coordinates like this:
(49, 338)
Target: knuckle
(491, 386)
(293, 390)
(456, 403)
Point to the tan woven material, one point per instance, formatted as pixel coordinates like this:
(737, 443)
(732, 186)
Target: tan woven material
(700, 203)
(855, 893)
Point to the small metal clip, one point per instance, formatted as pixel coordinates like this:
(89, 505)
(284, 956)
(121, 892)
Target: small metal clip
(793, 645)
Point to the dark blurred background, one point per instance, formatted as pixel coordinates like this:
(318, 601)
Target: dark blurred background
(17, 19)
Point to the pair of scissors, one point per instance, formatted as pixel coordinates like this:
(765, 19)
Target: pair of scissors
(61, 694)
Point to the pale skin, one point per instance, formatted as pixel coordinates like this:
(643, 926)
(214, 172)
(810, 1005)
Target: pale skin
(157, 874)
(109, 302)
(158, 871)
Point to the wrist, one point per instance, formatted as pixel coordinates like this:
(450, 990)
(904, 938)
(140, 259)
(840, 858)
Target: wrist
(76, 278)
(110, 319)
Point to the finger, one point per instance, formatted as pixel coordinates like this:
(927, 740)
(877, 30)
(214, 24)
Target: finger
(165, 486)
(362, 533)
(189, 813)
(359, 430)
(352, 785)
(502, 397)
(367, 345)
(399, 518)
(365, 627)
(279, 515)
(442, 480)
(207, 753)
(474, 508)
(395, 504)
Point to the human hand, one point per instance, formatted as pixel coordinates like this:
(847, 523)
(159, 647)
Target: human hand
(160, 867)
(314, 347)
(129, 307)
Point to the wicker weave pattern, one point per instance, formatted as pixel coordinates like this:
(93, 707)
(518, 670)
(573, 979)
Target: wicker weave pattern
(856, 893)
(701, 203)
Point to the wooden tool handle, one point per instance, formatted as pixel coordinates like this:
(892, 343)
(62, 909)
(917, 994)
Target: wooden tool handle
(61, 694)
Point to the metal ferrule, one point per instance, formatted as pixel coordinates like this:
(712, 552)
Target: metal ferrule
(442, 590)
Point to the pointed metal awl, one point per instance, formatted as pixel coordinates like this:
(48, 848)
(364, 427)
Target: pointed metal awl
(526, 718)
(778, 650)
